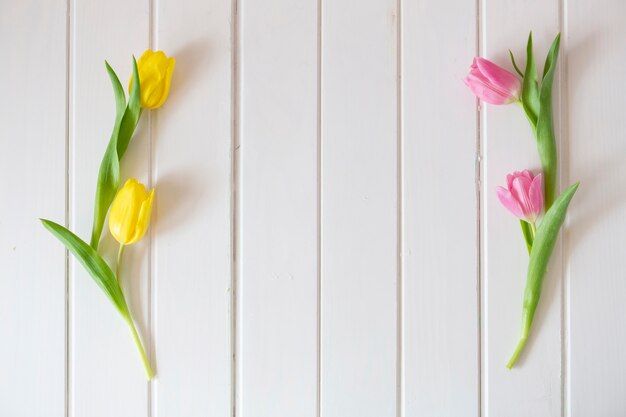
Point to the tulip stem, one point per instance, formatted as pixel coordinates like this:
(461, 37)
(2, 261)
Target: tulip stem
(533, 229)
(118, 269)
(140, 348)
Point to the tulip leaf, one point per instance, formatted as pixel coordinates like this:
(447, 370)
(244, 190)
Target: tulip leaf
(118, 92)
(131, 116)
(93, 263)
(126, 120)
(521, 74)
(540, 253)
(528, 234)
(109, 173)
(530, 88)
(546, 140)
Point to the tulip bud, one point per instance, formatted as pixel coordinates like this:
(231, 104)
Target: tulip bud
(491, 83)
(155, 73)
(130, 212)
(523, 196)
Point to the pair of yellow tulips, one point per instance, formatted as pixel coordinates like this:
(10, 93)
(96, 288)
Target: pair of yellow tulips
(130, 212)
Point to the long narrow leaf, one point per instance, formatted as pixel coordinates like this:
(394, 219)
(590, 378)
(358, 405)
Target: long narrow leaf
(546, 140)
(528, 234)
(118, 92)
(93, 263)
(530, 88)
(109, 173)
(540, 253)
(126, 120)
(521, 74)
(131, 116)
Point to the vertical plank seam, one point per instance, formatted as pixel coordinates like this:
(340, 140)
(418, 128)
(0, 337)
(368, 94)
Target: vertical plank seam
(68, 49)
(234, 201)
(479, 224)
(152, 385)
(319, 211)
(564, 172)
(399, 219)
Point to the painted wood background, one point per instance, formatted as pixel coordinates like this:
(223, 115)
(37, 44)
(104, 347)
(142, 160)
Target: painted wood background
(326, 239)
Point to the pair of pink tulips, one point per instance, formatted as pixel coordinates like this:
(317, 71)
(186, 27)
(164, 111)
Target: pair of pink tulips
(524, 193)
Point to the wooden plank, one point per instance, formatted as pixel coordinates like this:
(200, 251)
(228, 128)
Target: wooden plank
(33, 40)
(595, 241)
(278, 233)
(533, 387)
(106, 374)
(192, 235)
(440, 237)
(359, 217)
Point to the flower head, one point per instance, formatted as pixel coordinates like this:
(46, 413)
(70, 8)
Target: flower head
(492, 83)
(523, 196)
(155, 73)
(130, 212)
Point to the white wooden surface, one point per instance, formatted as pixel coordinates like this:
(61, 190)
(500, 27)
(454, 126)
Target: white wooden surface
(326, 239)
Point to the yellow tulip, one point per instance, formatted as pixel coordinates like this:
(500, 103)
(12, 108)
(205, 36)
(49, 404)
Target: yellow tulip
(155, 73)
(130, 212)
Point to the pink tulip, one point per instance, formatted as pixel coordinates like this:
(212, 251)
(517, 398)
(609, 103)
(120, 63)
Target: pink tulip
(493, 84)
(524, 196)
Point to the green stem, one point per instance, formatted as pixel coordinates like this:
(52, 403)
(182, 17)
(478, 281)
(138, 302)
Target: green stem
(518, 350)
(533, 229)
(142, 351)
(532, 293)
(526, 323)
(118, 268)
(527, 319)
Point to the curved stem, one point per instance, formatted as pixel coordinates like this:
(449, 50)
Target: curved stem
(533, 229)
(518, 350)
(118, 268)
(142, 351)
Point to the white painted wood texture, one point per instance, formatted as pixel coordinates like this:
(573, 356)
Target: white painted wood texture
(277, 259)
(326, 239)
(192, 244)
(33, 129)
(359, 209)
(440, 286)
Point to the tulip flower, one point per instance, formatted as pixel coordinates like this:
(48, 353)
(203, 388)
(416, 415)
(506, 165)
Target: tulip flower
(130, 212)
(491, 83)
(155, 74)
(523, 196)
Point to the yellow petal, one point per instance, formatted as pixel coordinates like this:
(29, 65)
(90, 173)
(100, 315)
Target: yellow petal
(143, 221)
(155, 73)
(125, 210)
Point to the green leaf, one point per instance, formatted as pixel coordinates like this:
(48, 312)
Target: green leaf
(109, 173)
(546, 140)
(530, 88)
(515, 64)
(543, 246)
(126, 120)
(93, 263)
(118, 92)
(131, 116)
(108, 182)
(528, 234)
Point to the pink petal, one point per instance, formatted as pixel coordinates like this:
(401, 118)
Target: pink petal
(536, 195)
(509, 202)
(528, 174)
(520, 189)
(513, 175)
(485, 91)
(505, 81)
